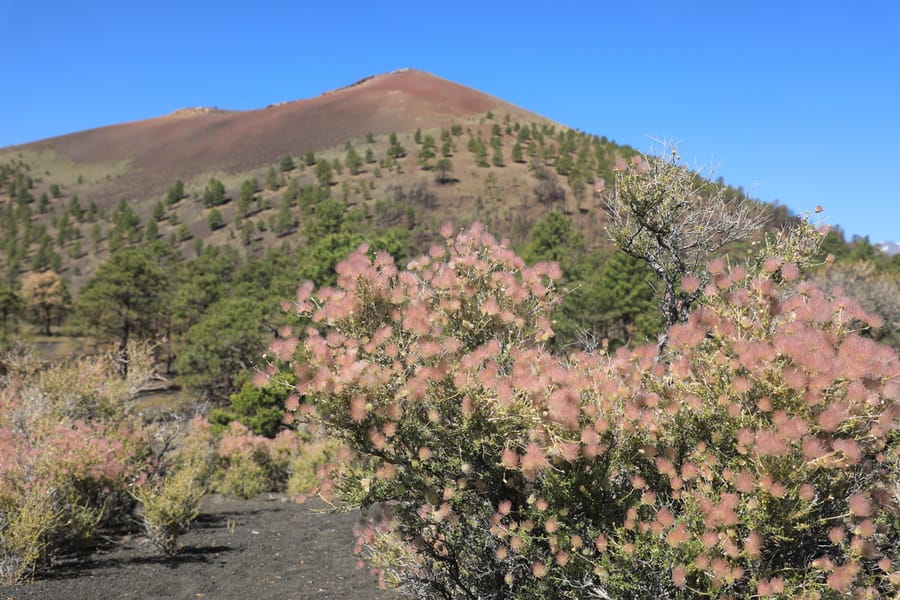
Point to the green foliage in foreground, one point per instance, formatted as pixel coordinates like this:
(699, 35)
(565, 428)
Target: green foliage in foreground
(170, 506)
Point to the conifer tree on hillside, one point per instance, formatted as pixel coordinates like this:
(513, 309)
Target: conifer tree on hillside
(11, 306)
(353, 161)
(287, 164)
(214, 193)
(324, 173)
(619, 301)
(443, 166)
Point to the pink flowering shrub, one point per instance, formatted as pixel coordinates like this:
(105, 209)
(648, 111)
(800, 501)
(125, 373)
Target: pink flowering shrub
(241, 468)
(68, 455)
(757, 457)
(246, 464)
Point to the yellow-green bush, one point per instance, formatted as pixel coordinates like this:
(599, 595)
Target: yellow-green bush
(28, 525)
(316, 456)
(241, 476)
(170, 505)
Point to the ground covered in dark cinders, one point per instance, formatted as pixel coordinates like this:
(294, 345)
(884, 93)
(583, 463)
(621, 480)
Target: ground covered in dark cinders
(265, 548)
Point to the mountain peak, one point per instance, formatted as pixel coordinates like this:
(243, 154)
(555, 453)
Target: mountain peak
(889, 248)
(197, 140)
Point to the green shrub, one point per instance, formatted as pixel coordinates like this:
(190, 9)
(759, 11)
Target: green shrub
(260, 409)
(316, 457)
(244, 466)
(242, 476)
(170, 505)
(28, 525)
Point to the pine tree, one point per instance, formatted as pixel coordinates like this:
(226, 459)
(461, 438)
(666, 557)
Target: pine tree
(46, 298)
(481, 154)
(215, 219)
(272, 182)
(159, 211)
(517, 153)
(443, 166)
(214, 193)
(353, 161)
(287, 164)
(617, 301)
(151, 231)
(497, 159)
(125, 298)
(324, 173)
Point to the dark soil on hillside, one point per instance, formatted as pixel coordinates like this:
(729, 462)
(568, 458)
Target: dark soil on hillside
(265, 548)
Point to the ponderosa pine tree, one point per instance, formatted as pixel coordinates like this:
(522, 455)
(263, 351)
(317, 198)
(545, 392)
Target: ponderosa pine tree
(226, 341)
(125, 299)
(395, 150)
(324, 173)
(175, 193)
(11, 306)
(214, 193)
(215, 220)
(272, 181)
(151, 231)
(353, 161)
(553, 239)
(443, 166)
(620, 304)
(516, 154)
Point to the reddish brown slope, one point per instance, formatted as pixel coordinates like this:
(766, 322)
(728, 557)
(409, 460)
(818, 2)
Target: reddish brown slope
(185, 145)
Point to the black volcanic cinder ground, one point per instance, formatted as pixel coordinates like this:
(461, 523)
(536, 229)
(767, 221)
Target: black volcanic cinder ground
(268, 548)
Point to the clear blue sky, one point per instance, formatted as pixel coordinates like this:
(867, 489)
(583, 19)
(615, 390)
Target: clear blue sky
(796, 101)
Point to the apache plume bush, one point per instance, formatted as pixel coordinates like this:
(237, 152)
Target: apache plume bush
(756, 457)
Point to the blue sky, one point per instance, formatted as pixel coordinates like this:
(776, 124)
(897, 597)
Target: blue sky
(797, 102)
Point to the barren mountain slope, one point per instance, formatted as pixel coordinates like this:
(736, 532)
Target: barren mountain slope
(190, 142)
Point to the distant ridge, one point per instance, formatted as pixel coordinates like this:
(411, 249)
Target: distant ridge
(194, 110)
(889, 248)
